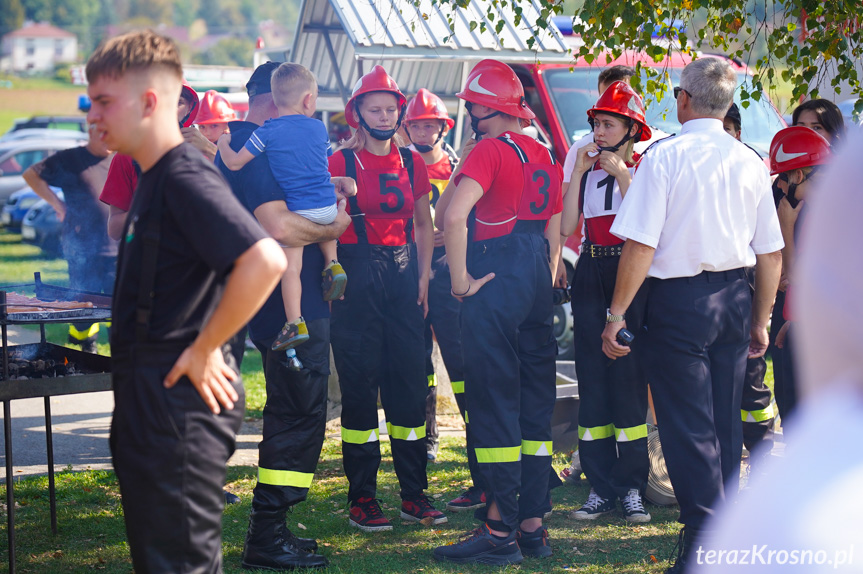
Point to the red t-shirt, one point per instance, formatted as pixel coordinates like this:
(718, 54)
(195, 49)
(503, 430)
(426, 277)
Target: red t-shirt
(376, 194)
(121, 183)
(498, 169)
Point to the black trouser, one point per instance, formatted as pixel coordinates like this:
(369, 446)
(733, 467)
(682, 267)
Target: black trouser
(612, 434)
(295, 419)
(378, 343)
(431, 397)
(755, 410)
(169, 452)
(783, 377)
(697, 344)
(510, 377)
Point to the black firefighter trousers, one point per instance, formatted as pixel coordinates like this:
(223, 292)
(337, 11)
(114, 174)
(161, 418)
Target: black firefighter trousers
(378, 343)
(169, 452)
(612, 434)
(295, 419)
(510, 377)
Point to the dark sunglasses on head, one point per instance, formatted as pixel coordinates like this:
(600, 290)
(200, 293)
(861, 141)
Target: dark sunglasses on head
(678, 89)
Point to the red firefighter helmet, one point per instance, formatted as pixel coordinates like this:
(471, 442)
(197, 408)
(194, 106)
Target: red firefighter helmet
(620, 99)
(797, 147)
(427, 106)
(375, 81)
(191, 95)
(495, 85)
(215, 109)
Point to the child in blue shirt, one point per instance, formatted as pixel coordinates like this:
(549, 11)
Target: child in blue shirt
(297, 146)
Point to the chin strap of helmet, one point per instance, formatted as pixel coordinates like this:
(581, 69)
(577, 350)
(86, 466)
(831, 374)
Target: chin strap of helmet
(474, 121)
(625, 139)
(423, 148)
(381, 135)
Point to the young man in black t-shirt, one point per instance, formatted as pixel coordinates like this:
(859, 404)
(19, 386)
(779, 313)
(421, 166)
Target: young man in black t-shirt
(193, 268)
(81, 173)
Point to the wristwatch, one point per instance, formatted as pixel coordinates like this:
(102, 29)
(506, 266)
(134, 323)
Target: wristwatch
(609, 318)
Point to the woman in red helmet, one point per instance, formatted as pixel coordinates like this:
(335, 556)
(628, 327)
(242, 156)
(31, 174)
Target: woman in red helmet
(377, 330)
(796, 154)
(501, 224)
(612, 433)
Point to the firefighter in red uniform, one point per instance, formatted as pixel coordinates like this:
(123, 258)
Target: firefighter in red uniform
(612, 432)
(501, 224)
(377, 330)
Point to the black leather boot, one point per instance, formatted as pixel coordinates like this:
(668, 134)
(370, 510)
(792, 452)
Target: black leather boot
(271, 546)
(684, 547)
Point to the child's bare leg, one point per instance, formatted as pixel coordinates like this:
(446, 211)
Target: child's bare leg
(292, 287)
(330, 251)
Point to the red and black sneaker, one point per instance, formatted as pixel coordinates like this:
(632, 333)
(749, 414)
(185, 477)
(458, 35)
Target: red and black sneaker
(366, 515)
(420, 508)
(470, 499)
(534, 544)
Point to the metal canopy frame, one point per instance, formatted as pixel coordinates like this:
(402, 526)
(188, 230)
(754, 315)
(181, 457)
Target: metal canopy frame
(340, 40)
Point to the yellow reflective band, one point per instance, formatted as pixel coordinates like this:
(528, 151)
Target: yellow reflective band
(503, 454)
(85, 334)
(406, 433)
(595, 433)
(630, 433)
(466, 420)
(758, 416)
(285, 477)
(359, 436)
(536, 447)
(432, 380)
(457, 387)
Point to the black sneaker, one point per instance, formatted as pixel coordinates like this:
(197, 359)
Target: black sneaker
(595, 507)
(633, 507)
(420, 508)
(534, 544)
(470, 499)
(366, 515)
(481, 547)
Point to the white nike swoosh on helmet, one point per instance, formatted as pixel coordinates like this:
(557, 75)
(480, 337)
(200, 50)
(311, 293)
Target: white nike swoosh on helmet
(782, 156)
(475, 87)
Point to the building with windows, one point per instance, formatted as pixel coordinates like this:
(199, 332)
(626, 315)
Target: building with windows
(37, 47)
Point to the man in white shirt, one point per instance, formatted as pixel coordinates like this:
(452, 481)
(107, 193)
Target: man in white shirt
(698, 212)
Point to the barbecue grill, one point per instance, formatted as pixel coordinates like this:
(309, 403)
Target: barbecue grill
(45, 370)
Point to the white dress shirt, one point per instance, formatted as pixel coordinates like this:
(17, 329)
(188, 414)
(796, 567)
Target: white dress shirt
(703, 200)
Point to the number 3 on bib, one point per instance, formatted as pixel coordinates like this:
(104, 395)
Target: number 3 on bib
(541, 190)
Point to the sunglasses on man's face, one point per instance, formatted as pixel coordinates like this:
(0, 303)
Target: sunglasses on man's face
(678, 89)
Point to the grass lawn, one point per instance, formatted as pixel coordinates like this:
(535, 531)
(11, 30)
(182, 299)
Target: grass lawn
(91, 534)
(36, 97)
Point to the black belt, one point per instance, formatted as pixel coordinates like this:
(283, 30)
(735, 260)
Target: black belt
(596, 251)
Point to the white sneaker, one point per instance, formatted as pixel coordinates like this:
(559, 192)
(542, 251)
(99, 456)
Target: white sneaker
(633, 507)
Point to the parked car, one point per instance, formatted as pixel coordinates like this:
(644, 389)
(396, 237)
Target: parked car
(17, 156)
(41, 228)
(561, 94)
(17, 206)
(43, 133)
(72, 123)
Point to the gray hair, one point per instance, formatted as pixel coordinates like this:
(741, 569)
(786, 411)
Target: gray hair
(711, 83)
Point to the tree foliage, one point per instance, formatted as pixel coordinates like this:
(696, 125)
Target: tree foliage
(809, 43)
